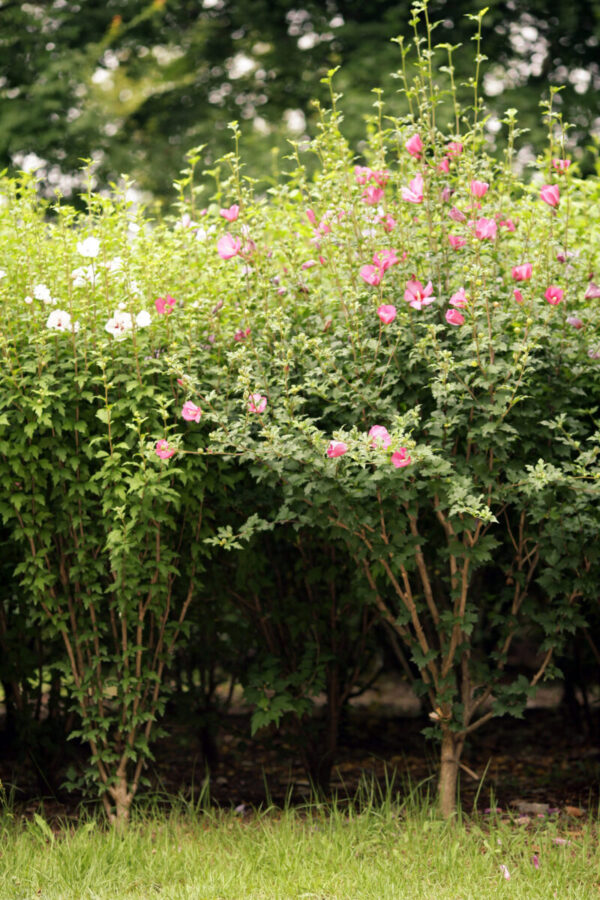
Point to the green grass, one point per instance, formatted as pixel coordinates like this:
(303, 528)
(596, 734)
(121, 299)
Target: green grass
(312, 854)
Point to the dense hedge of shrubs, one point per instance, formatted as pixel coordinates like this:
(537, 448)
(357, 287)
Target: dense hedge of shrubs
(254, 441)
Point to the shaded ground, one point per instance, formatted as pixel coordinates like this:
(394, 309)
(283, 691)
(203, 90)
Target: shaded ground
(545, 758)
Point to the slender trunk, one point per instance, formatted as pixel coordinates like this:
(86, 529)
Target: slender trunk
(119, 815)
(451, 750)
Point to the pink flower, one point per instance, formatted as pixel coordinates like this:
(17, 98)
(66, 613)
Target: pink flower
(388, 223)
(518, 295)
(228, 246)
(241, 334)
(479, 188)
(309, 264)
(535, 862)
(414, 192)
(371, 274)
(454, 317)
(385, 258)
(554, 295)
(232, 213)
(380, 437)
(456, 215)
(444, 165)
(485, 229)
(191, 412)
(362, 174)
(311, 217)
(459, 299)
(163, 449)
(523, 272)
(336, 448)
(418, 296)
(550, 194)
(386, 313)
(505, 872)
(380, 176)
(593, 291)
(456, 242)
(414, 145)
(399, 459)
(575, 321)
(508, 224)
(257, 403)
(561, 165)
(164, 305)
(373, 195)
(446, 193)
(454, 148)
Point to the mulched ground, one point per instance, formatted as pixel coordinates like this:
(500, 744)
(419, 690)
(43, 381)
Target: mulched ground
(543, 762)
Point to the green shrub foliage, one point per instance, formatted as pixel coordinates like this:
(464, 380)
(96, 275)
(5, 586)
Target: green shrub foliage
(398, 360)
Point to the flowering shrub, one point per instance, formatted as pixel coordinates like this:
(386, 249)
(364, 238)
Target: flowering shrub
(353, 343)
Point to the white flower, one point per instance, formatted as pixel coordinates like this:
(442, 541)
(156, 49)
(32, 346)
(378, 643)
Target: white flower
(202, 234)
(59, 320)
(143, 319)
(82, 276)
(135, 288)
(2, 273)
(119, 325)
(89, 247)
(113, 265)
(41, 292)
(28, 300)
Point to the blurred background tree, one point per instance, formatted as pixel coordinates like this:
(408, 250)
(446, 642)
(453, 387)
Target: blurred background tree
(133, 84)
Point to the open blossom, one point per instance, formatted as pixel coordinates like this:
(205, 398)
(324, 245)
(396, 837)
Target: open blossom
(414, 145)
(371, 274)
(418, 296)
(387, 313)
(454, 317)
(380, 176)
(373, 195)
(485, 229)
(561, 165)
(231, 214)
(479, 188)
(120, 324)
(444, 165)
(241, 334)
(228, 246)
(164, 305)
(89, 247)
(508, 224)
(400, 458)
(414, 192)
(59, 320)
(456, 242)
(523, 272)
(550, 194)
(143, 319)
(592, 292)
(459, 299)
(191, 412)
(42, 292)
(385, 258)
(554, 294)
(257, 403)
(336, 448)
(2, 273)
(389, 223)
(380, 437)
(163, 449)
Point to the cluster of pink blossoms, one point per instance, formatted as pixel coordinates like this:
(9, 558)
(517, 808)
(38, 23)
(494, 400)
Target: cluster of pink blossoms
(382, 261)
(380, 439)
